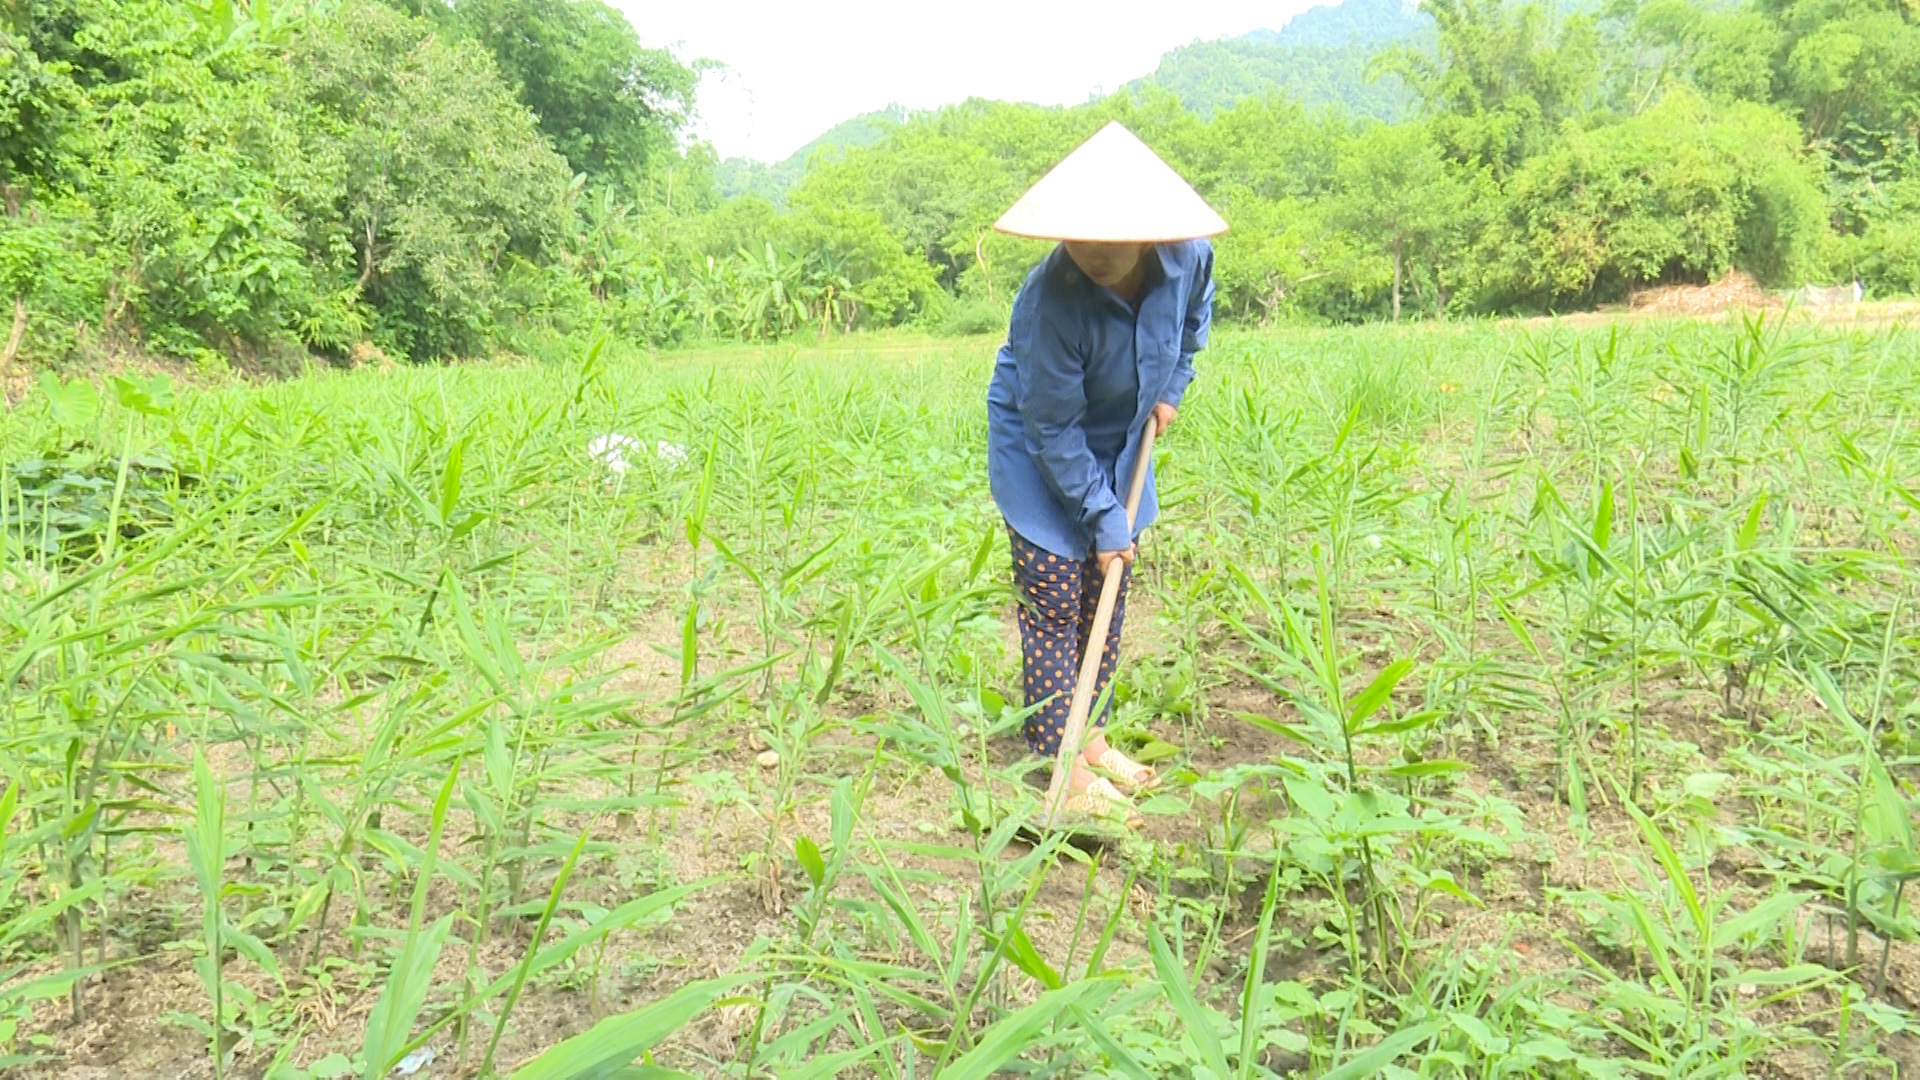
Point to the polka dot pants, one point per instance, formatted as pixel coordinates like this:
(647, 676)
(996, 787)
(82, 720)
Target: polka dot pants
(1057, 600)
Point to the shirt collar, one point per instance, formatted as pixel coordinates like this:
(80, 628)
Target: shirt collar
(1169, 265)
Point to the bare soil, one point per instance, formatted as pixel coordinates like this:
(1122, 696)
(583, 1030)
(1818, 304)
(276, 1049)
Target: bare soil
(128, 1034)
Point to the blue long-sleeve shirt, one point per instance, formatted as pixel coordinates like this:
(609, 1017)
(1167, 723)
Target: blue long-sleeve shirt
(1072, 390)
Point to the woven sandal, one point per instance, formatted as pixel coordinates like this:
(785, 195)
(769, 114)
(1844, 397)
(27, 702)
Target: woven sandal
(1101, 802)
(1128, 775)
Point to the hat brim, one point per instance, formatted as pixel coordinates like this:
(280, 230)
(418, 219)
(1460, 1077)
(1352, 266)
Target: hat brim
(1089, 236)
(1113, 189)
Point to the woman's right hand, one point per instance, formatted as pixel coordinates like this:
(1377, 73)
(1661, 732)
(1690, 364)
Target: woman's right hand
(1105, 558)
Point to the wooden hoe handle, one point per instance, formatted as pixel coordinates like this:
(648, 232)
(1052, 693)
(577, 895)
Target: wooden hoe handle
(1094, 649)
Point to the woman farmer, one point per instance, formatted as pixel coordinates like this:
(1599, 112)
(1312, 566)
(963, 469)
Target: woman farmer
(1100, 345)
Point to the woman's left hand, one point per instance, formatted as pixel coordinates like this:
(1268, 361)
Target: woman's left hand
(1163, 415)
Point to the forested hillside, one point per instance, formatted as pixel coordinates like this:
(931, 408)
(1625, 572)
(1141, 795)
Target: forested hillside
(236, 178)
(1320, 58)
(1374, 23)
(740, 176)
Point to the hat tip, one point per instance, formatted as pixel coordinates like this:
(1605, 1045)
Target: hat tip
(1112, 189)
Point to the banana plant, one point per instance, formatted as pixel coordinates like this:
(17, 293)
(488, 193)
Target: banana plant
(774, 301)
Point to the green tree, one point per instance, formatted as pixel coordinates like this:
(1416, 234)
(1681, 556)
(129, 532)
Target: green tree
(612, 107)
(38, 107)
(1684, 191)
(1724, 53)
(441, 175)
(1886, 252)
(1504, 78)
(861, 273)
(39, 104)
(937, 192)
(1850, 64)
(1398, 193)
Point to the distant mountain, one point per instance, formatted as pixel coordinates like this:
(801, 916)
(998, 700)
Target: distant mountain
(740, 176)
(1354, 22)
(1318, 58)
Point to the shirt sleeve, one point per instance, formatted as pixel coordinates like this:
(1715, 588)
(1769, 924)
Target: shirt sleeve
(1053, 410)
(1193, 335)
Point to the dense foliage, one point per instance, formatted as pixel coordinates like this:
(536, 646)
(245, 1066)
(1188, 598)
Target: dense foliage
(234, 178)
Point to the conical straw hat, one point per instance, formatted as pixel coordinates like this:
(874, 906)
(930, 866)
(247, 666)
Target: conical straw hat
(1112, 189)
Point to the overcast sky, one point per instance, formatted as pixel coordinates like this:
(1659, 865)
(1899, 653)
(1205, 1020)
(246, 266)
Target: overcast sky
(795, 69)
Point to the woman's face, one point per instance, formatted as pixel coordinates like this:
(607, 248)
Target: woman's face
(1106, 265)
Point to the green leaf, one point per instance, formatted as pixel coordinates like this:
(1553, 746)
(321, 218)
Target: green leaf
(450, 481)
(908, 915)
(1253, 993)
(532, 952)
(1761, 917)
(1603, 516)
(51, 984)
(690, 642)
(829, 1066)
(697, 520)
(71, 404)
(841, 817)
(1427, 768)
(808, 853)
(8, 803)
(1164, 805)
(1885, 818)
(1005, 1040)
(1442, 881)
(252, 948)
(1750, 529)
(842, 640)
(1028, 959)
(1371, 1061)
(619, 918)
(982, 553)
(1836, 702)
(1303, 736)
(1482, 1036)
(1409, 722)
(402, 998)
(149, 397)
(1155, 750)
(1676, 872)
(411, 975)
(1311, 797)
(205, 834)
(205, 838)
(331, 1066)
(1202, 1023)
(1786, 976)
(1659, 946)
(1368, 701)
(1519, 630)
(602, 1051)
